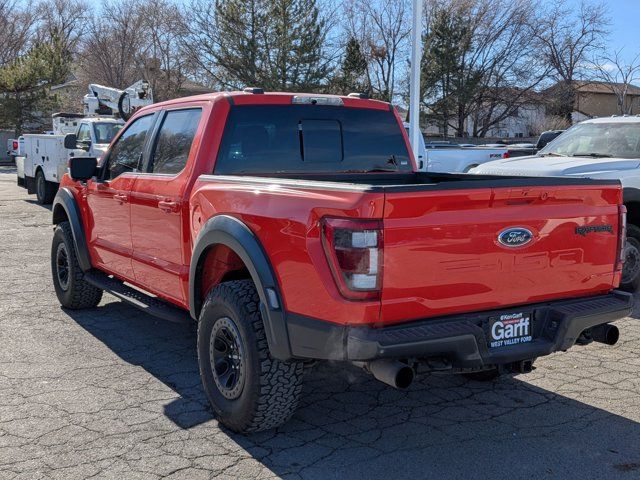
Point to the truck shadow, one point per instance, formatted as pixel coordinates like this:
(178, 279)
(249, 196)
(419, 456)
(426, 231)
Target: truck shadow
(33, 201)
(351, 426)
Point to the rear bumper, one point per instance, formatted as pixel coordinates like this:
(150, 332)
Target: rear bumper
(458, 341)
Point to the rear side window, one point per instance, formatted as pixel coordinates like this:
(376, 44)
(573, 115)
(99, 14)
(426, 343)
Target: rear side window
(174, 141)
(261, 139)
(127, 151)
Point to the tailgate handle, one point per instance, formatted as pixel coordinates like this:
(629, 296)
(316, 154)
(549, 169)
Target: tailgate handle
(523, 196)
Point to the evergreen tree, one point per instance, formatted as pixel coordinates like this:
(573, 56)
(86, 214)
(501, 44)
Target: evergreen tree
(295, 41)
(26, 83)
(352, 76)
(274, 44)
(239, 47)
(447, 79)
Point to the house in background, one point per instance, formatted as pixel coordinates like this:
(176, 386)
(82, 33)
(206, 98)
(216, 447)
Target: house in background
(597, 99)
(523, 122)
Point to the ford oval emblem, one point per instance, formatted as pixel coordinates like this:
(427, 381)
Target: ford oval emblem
(515, 237)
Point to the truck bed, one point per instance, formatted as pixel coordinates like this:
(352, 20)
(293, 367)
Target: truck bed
(442, 253)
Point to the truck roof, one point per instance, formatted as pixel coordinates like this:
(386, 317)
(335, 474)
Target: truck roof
(271, 98)
(615, 119)
(102, 120)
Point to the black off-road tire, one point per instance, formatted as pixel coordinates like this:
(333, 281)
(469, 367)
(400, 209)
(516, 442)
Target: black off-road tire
(631, 280)
(484, 375)
(74, 293)
(45, 191)
(270, 389)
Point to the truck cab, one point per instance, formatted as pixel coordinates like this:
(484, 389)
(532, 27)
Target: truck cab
(93, 135)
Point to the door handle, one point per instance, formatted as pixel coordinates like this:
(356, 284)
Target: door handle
(169, 206)
(121, 197)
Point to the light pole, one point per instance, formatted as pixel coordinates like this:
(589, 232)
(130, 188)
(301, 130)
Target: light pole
(414, 81)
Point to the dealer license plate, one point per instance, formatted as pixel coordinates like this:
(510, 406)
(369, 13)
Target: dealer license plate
(510, 329)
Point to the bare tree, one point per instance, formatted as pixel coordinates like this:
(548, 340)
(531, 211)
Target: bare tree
(164, 65)
(479, 62)
(63, 22)
(383, 30)
(115, 43)
(619, 76)
(17, 21)
(567, 39)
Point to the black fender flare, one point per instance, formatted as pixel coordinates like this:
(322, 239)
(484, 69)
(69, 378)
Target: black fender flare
(630, 194)
(65, 200)
(233, 233)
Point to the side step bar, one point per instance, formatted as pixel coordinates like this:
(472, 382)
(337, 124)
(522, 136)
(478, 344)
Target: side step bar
(148, 304)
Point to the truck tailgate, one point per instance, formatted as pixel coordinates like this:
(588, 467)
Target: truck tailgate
(443, 254)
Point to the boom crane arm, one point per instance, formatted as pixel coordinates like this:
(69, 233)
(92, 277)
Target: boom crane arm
(103, 100)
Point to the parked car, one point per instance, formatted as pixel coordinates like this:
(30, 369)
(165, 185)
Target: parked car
(607, 148)
(294, 228)
(450, 157)
(546, 137)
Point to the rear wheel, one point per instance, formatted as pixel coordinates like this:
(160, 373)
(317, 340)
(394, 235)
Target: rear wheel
(631, 270)
(248, 389)
(45, 191)
(71, 289)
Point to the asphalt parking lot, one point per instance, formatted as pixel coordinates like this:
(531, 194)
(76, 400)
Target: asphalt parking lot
(114, 393)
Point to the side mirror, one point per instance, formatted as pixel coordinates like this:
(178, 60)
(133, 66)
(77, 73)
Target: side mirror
(82, 168)
(70, 141)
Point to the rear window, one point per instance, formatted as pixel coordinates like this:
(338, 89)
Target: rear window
(262, 139)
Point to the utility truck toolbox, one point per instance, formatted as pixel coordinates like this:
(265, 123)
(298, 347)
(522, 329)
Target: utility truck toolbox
(295, 228)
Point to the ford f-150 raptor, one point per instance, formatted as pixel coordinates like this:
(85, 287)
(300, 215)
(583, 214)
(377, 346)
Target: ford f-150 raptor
(295, 228)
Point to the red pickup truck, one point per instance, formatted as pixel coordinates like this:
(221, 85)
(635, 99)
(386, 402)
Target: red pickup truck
(295, 228)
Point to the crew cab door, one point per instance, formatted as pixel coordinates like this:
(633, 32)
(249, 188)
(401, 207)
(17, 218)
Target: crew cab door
(109, 225)
(159, 206)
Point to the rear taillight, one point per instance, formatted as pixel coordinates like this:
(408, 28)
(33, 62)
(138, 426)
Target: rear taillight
(506, 154)
(622, 236)
(14, 145)
(354, 250)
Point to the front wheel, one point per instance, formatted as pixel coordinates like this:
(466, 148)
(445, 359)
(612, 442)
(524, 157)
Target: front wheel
(631, 269)
(68, 279)
(249, 390)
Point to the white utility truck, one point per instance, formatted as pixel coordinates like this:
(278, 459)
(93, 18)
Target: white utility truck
(453, 158)
(45, 157)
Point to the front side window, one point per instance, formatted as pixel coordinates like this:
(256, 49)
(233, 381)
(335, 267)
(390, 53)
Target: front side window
(127, 152)
(105, 132)
(174, 141)
(84, 135)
